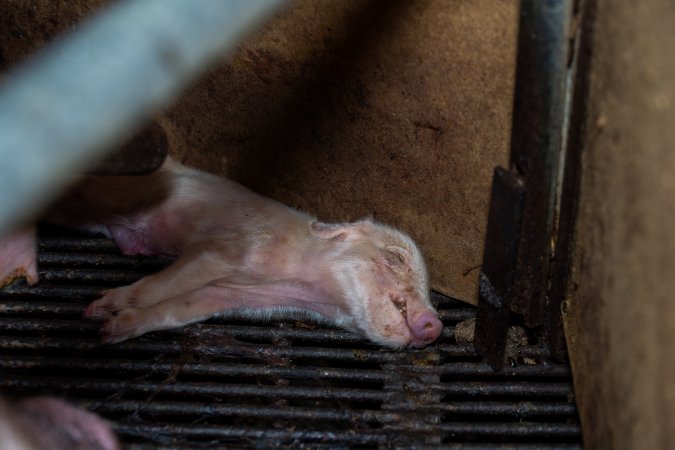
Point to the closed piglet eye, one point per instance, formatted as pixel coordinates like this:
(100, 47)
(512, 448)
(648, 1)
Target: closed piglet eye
(384, 273)
(396, 256)
(400, 304)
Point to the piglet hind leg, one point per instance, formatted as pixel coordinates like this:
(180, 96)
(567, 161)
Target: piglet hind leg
(18, 257)
(197, 267)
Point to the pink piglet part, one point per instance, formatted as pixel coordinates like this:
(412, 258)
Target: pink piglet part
(240, 253)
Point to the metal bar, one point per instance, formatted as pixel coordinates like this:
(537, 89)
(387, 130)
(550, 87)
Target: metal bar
(250, 351)
(482, 369)
(530, 351)
(578, 86)
(83, 365)
(103, 260)
(160, 432)
(494, 389)
(524, 429)
(19, 289)
(70, 309)
(177, 409)
(78, 245)
(536, 141)
(260, 412)
(485, 446)
(456, 430)
(514, 409)
(89, 276)
(53, 309)
(499, 265)
(85, 386)
(230, 348)
(455, 315)
(391, 442)
(60, 111)
(233, 369)
(87, 333)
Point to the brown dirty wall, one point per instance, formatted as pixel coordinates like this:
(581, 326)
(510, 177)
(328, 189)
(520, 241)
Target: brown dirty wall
(620, 317)
(395, 109)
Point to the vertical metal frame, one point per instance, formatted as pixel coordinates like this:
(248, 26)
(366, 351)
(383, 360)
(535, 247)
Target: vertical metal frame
(525, 210)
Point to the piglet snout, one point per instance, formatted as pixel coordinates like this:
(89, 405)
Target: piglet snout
(425, 328)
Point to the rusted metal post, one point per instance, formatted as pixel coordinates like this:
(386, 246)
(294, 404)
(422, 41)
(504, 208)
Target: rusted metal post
(516, 260)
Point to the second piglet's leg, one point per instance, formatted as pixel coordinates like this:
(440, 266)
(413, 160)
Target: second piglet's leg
(18, 256)
(192, 270)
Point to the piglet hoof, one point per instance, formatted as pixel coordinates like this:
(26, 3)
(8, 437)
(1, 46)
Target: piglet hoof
(120, 327)
(117, 329)
(98, 310)
(111, 301)
(426, 328)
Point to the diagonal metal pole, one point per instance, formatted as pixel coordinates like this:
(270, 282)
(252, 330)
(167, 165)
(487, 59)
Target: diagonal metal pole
(64, 108)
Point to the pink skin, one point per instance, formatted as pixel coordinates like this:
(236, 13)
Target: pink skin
(18, 257)
(240, 253)
(52, 423)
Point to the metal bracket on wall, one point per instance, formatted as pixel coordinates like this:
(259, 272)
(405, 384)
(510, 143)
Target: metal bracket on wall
(525, 221)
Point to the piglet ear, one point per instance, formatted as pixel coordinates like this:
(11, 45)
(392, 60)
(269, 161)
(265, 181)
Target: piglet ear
(329, 230)
(350, 230)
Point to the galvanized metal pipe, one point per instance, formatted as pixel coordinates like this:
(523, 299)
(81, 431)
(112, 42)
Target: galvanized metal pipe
(63, 109)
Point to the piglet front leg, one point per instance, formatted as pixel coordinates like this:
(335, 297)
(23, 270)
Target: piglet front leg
(135, 320)
(18, 257)
(198, 266)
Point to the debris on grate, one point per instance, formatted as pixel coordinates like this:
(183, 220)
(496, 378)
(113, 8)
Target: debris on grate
(236, 383)
(516, 337)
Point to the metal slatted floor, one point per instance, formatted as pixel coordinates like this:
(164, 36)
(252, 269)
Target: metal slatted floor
(289, 384)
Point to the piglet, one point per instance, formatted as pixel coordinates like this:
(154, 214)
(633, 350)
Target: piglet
(48, 423)
(240, 253)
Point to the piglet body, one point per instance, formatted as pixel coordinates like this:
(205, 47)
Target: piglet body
(238, 252)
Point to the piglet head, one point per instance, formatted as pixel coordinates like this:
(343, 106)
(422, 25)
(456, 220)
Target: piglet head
(383, 283)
